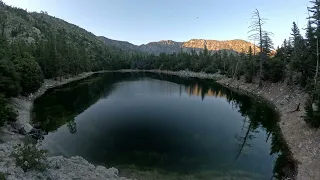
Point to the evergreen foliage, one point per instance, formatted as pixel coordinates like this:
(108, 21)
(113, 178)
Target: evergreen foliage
(6, 113)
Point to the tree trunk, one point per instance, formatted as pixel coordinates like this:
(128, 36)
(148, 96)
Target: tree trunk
(317, 67)
(261, 53)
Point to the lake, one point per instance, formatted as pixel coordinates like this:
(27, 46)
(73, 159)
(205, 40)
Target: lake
(144, 123)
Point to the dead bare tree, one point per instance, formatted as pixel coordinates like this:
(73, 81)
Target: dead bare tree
(256, 33)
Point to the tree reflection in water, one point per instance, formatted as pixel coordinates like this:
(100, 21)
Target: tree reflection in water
(62, 105)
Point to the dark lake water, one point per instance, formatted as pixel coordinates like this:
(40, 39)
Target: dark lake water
(175, 125)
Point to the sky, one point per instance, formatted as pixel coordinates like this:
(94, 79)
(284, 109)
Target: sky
(143, 21)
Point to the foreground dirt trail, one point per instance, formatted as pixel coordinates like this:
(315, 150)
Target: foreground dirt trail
(303, 141)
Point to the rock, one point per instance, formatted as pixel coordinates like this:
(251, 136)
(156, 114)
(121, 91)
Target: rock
(16, 126)
(103, 171)
(76, 168)
(25, 129)
(35, 136)
(36, 30)
(56, 162)
(284, 102)
(314, 107)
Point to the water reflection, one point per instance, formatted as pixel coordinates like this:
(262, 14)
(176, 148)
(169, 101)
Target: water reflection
(62, 105)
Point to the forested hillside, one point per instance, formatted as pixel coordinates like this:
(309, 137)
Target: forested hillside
(119, 44)
(34, 46)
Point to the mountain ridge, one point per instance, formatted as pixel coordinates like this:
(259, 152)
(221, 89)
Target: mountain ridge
(170, 46)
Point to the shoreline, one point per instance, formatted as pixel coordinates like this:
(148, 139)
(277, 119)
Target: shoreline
(303, 142)
(24, 104)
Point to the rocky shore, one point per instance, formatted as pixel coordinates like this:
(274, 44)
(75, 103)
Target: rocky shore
(303, 141)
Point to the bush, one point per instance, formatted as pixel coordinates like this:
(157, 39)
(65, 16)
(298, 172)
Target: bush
(2, 176)
(6, 113)
(210, 69)
(29, 157)
(274, 70)
(312, 115)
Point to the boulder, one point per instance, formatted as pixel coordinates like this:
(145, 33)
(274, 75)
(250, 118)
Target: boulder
(37, 134)
(284, 102)
(27, 128)
(314, 107)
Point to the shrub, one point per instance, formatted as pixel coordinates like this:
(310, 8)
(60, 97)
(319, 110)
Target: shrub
(29, 157)
(2, 176)
(6, 112)
(274, 70)
(210, 69)
(312, 115)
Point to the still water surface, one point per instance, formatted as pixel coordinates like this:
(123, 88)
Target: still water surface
(150, 121)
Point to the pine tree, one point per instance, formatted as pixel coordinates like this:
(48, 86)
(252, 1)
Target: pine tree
(314, 19)
(312, 115)
(249, 66)
(267, 44)
(298, 59)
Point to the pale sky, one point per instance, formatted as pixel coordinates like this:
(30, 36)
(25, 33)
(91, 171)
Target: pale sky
(143, 21)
